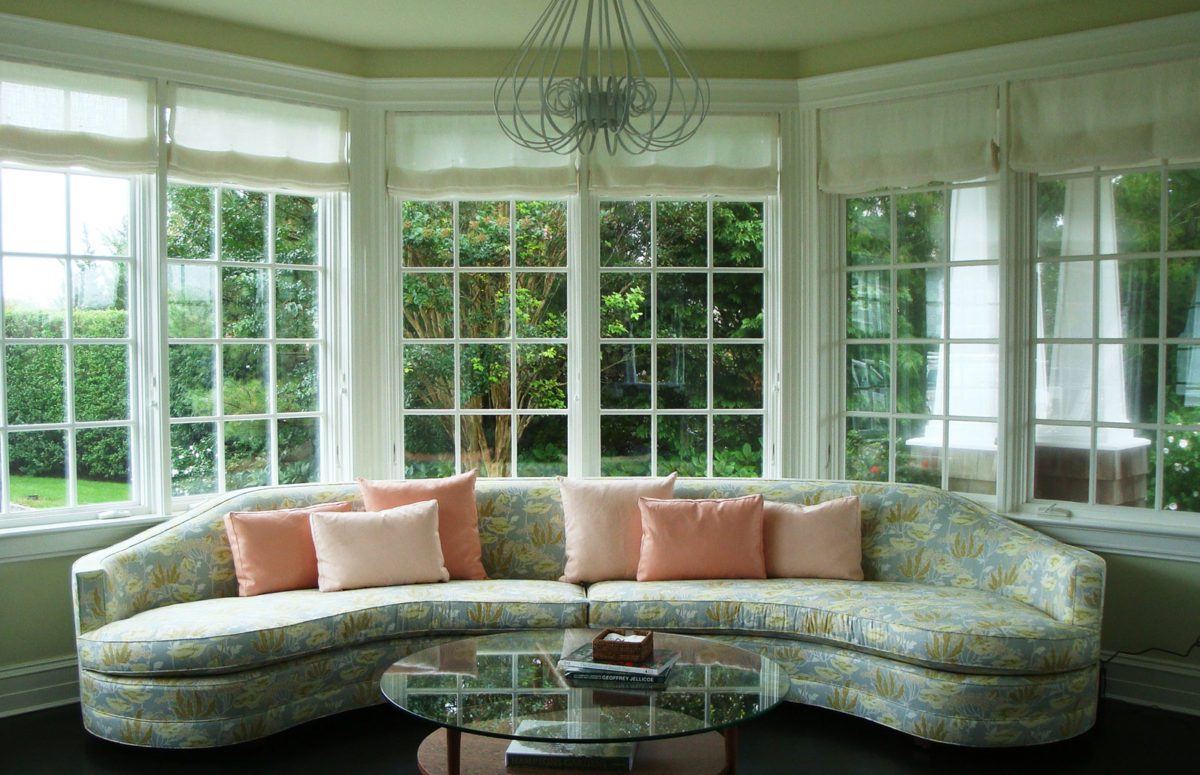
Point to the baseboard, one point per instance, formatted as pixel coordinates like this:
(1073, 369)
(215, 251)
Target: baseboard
(36, 685)
(1170, 685)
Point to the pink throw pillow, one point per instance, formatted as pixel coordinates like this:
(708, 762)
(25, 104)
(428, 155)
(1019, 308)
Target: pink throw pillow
(458, 519)
(378, 549)
(603, 526)
(702, 539)
(273, 550)
(815, 542)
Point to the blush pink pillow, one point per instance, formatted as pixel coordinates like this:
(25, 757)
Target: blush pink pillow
(458, 520)
(815, 542)
(273, 550)
(378, 549)
(702, 539)
(603, 526)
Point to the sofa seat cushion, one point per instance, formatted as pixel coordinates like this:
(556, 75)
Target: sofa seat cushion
(960, 630)
(229, 634)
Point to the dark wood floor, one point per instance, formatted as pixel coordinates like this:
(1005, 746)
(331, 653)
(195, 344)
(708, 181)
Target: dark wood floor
(792, 739)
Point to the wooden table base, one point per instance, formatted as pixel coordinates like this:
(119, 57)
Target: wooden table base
(709, 753)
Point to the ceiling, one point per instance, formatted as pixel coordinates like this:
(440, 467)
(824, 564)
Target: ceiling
(738, 25)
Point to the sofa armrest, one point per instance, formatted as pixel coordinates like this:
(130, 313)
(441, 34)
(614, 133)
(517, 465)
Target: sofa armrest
(1064, 581)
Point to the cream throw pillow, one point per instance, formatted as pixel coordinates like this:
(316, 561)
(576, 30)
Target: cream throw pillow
(378, 549)
(814, 542)
(604, 526)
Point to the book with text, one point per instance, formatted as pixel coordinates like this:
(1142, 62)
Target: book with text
(580, 660)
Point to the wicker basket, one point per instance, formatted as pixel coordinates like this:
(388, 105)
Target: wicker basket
(621, 651)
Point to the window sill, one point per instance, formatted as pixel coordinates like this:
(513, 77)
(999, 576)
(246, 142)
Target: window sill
(1166, 537)
(63, 539)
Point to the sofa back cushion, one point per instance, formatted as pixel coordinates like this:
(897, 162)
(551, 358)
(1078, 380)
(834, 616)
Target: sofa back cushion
(823, 541)
(705, 538)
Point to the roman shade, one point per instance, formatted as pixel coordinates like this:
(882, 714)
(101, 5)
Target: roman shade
(218, 137)
(51, 116)
(440, 156)
(909, 142)
(1129, 116)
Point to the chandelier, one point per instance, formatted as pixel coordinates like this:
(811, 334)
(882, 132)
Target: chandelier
(559, 96)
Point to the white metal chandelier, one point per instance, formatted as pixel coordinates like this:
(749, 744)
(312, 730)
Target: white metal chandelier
(547, 101)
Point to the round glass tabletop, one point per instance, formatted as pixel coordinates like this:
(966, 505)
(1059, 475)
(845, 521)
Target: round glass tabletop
(508, 685)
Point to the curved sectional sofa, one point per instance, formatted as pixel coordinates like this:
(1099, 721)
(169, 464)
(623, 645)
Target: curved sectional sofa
(969, 629)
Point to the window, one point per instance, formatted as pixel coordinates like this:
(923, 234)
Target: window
(922, 327)
(682, 337)
(1118, 338)
(66, 274)
(245, 278)
(484, 337)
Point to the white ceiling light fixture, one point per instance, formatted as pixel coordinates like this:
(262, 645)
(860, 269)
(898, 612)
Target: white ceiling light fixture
(560, 94)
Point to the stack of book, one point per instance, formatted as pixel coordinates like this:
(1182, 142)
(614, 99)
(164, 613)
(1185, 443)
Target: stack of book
(581, 669)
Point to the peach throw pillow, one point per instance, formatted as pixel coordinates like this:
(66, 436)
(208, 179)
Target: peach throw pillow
(378, 549)
(603, 526)
(816, 542)
(273, 550)
(458, 519)
(702, 539)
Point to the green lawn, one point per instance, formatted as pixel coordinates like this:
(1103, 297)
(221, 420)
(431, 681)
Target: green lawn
(48, 492)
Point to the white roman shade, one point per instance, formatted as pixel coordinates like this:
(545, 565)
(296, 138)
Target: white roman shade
(1130, 116)
(909, 142)
(438, 156)
(228, 138)
(56, 117)
(729, 156)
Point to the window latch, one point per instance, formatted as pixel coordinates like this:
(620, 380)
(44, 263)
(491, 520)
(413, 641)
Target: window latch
(1054, 510)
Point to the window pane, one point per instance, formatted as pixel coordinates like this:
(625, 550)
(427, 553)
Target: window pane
(485, 376)
(737, 445)
(428, 233)
(918, 368)
(1181, 486)
(868, 378)
(625, 445)
(737, 305)
(486, 441)
(919, 303)
(102, 465)
(1183, 221)
(100, 293)
(99, 216)
(246, 376)
(1183, 298)
(625, 376)
(867, 448)
(682, 445)
(37, 469)
(1137, 288)
(737, 376)
(541, 305)
(625, 234)
(682, 233)
(299, 450)
(1051, 203)
(542, 449)
(244, 302)
(295, 304)
(682, 305)
(247, 458)
(1128, 389)
(429, 305)
(868, 230)
(189, 222)
(921, 227)
(682, 376)
(243, 225)
(974, 371)
(483, 234)
(975, 302)
(1136, 209)
(101, 382)
(541, 234)
(295, 229)
(297, 372)
(869, 305)
(484, 305)
(1183, 385)
(429, 376)
(191, 301)
(542, 376)
(428, 446)
(35, 296)
(971, 458)
(192, 390)
(737, 233)
(975, 224)
(919, 452)
(33, 211)
(34, 384)
(625, 305)
(1066, 299)
(193, 458)
(1064, 382)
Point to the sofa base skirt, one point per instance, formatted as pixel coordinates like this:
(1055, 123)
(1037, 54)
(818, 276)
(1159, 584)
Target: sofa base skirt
(953, 708)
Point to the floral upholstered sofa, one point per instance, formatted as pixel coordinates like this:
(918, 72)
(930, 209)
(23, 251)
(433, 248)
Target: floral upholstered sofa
(969, 629)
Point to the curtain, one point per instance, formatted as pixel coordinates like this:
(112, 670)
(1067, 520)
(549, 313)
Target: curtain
(1129, 116)
(228, 138)
(57, 117)
(729, 155)
(438, 156)
(910, 142)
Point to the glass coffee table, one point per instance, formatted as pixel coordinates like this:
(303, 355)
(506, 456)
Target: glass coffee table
(508, 686)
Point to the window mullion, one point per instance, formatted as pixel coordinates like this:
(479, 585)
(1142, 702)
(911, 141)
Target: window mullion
(583, 331)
